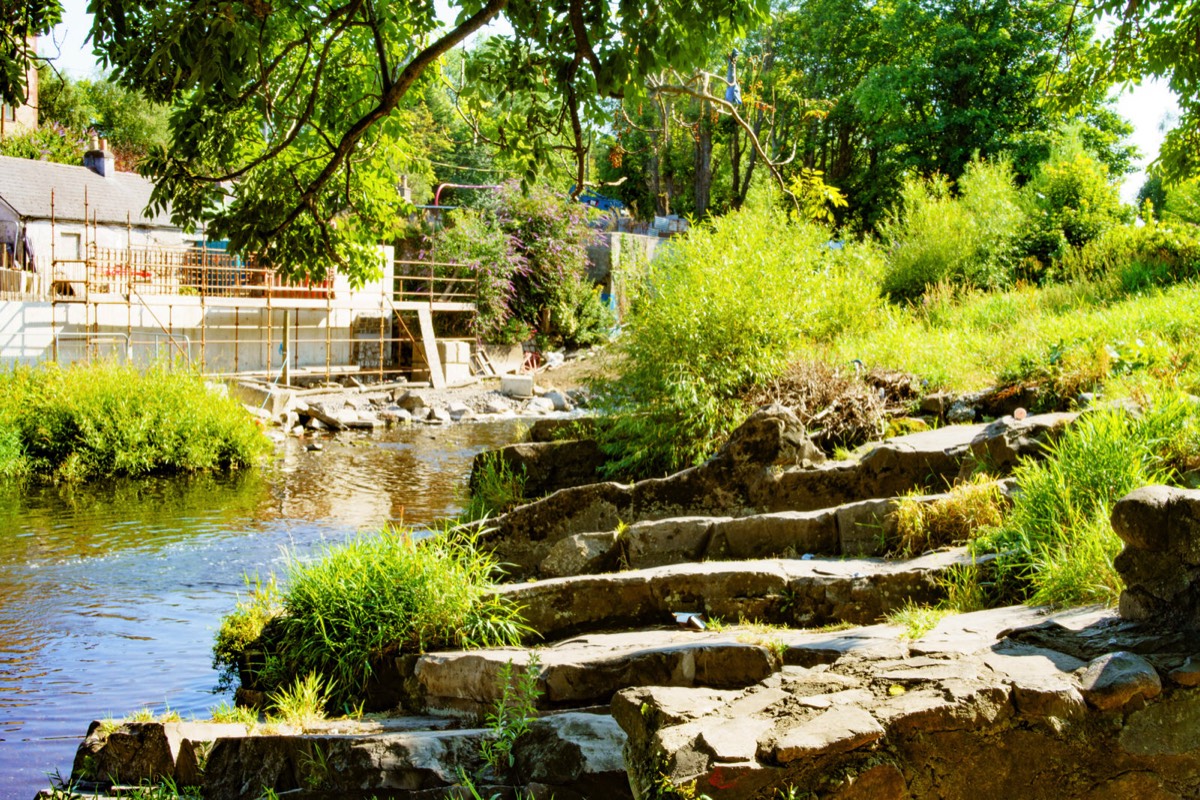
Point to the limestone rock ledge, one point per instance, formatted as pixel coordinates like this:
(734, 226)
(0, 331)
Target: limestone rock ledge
(1080, 705)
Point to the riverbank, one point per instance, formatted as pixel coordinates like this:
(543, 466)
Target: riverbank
(111, 592)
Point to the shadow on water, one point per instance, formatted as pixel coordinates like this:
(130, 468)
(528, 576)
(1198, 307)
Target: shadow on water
(110, 594)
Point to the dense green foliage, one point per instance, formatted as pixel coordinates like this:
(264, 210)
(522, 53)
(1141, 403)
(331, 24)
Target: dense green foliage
(104, 419)
(20, 24)
(1152, 39)
(971, 240)
(341, 611)
(723, 311)
(131, 124)
(866, 94)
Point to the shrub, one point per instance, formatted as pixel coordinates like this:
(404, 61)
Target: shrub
(372, 595)
(474, 240)
(969, 240)
(529, 253)
(103, 419)
(1071, 201)
(723, 310)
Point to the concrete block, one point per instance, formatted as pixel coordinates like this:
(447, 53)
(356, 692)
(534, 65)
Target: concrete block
(517, 385)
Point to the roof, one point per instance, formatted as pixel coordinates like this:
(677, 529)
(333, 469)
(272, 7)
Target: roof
(26, 185)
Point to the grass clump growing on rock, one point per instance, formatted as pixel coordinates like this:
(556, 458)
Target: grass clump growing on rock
(373, 595)
(495, 488)
(969, 507)
(1057, 546)
(106, 419)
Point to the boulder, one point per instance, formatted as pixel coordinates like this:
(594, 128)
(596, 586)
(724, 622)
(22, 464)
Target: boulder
(547, 466)
(137, 752)
(1160, 563)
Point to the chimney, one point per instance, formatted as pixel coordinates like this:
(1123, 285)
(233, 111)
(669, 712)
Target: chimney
(99, 160)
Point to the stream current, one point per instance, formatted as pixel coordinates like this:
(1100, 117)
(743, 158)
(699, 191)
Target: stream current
(111, 593)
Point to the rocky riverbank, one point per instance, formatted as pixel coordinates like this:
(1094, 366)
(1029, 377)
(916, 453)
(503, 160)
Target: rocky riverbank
(717, 633)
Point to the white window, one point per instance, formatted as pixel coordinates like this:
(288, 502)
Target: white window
(70, 247)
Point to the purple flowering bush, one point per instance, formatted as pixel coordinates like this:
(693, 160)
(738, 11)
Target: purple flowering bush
(529, 254)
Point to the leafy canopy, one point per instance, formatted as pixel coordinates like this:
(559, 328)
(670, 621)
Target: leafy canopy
(286, 139)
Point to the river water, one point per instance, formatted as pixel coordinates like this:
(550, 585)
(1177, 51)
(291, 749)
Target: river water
(110, 595)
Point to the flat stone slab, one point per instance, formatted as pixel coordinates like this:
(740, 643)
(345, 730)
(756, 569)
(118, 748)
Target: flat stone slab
(970, 710)
(570, 755)
(793, 592)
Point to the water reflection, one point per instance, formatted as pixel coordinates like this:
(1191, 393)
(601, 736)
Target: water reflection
(110, 594)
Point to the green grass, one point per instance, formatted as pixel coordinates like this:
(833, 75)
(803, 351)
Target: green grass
(373, 595)
(106, 419)
(495, 489)
(970, 507)
(1057, 546)
(1035, 334)
(301, 704)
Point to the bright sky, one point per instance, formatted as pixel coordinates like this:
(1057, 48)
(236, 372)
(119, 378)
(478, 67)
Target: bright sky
(1151, 107)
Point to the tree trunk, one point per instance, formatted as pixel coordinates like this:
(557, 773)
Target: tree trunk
(702, 182)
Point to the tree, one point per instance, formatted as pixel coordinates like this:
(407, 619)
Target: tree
(285, 135)
(132, 125)
(923, 86)
(1153, 39)
(20, 23)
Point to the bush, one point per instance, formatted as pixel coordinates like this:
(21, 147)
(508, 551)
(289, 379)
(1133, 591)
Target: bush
(530, 256)
(105, 419)
(722, 311)
(476, 241)
(1071, 201)
(969, 240)
(373, 595)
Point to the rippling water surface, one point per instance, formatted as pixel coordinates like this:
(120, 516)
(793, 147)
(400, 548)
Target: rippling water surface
(110, 595)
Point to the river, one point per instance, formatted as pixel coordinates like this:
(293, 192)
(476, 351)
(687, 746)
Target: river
(110, 594)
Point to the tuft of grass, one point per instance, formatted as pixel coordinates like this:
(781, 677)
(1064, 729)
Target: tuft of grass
(301, 704)
(224, 712)
(970, 507)
(495, 488)
(917, 620)
(148, 714)
(372, 595)
(105, 419)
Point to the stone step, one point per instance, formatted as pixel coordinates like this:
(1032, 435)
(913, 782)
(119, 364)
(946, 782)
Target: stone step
(970, 710)
(864, 528)
(793, 592)
(587, 671)
(767, 466)
(565, 755)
